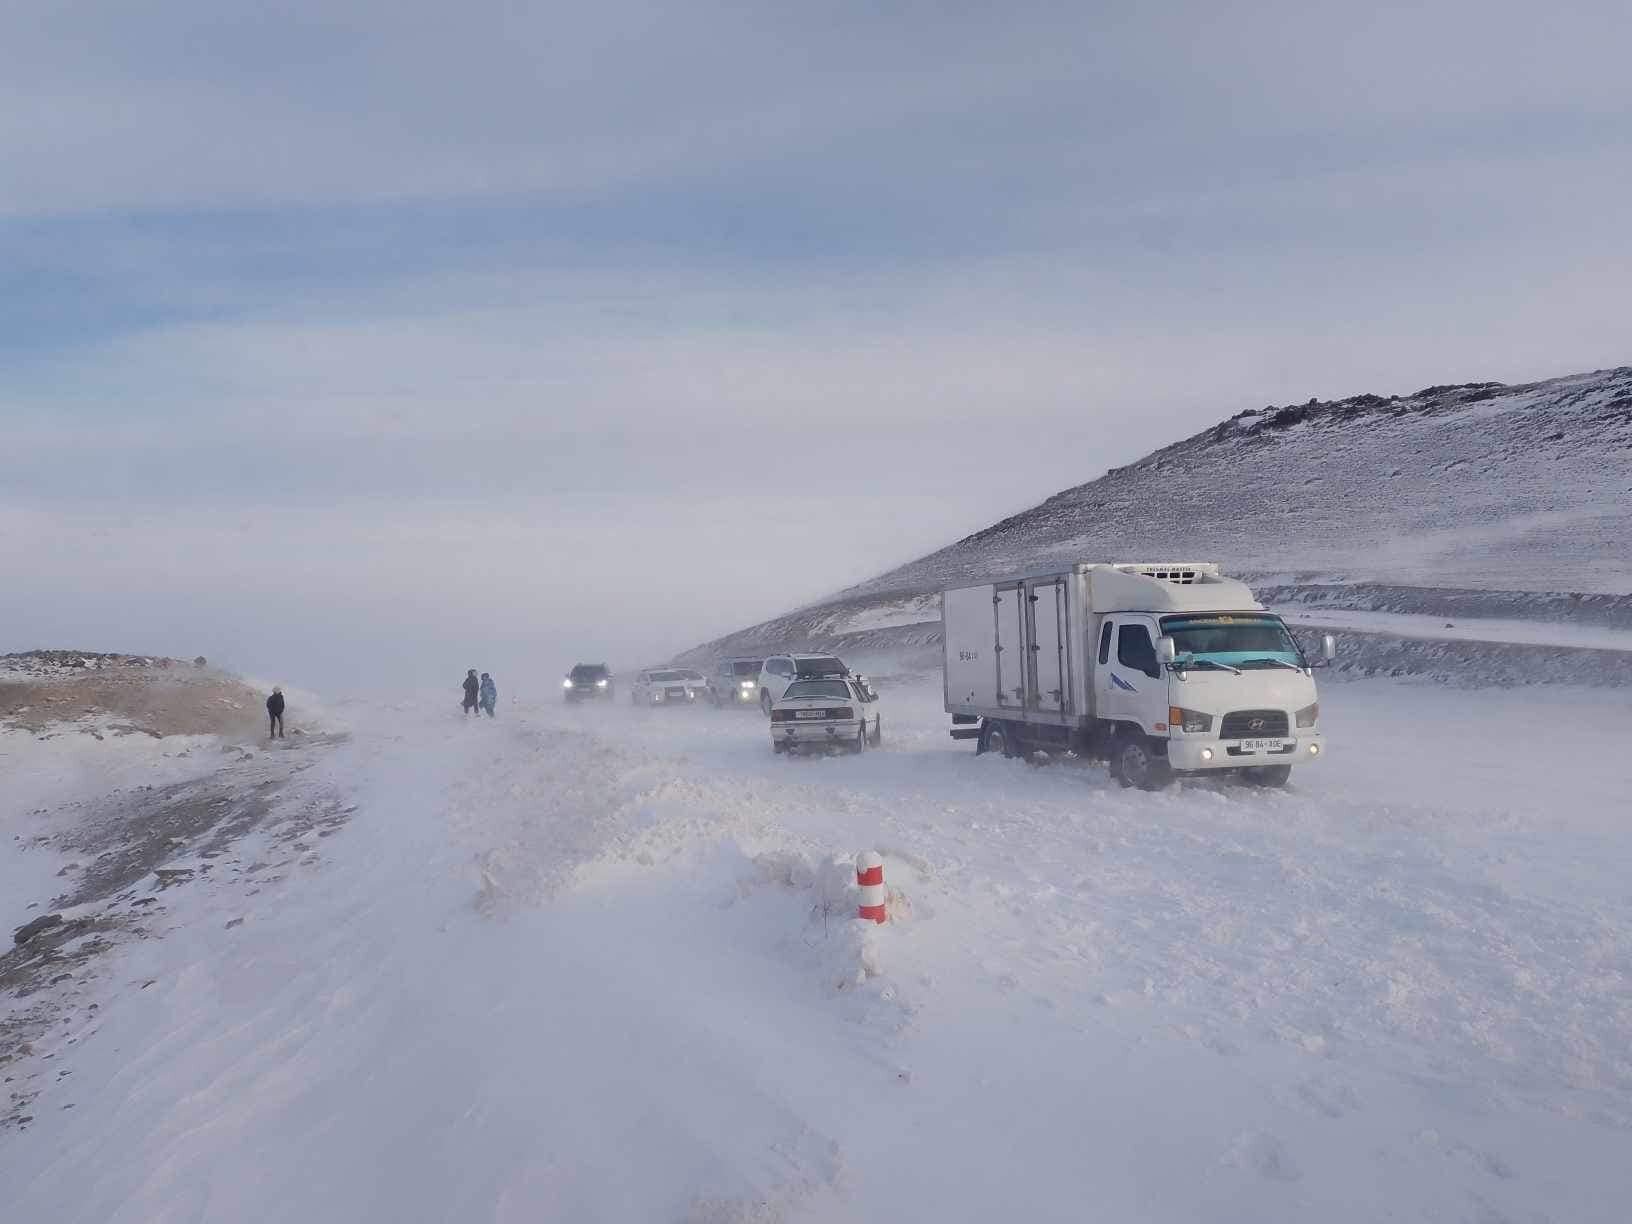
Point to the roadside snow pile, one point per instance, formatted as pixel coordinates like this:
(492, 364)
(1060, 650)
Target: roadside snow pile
(844, 952)
(49, 777)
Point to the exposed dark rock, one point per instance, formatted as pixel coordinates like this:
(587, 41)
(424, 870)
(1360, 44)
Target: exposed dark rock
(28, 930)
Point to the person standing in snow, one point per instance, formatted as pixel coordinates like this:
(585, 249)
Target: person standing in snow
(472, 685)
(274, 714)
(489, 694)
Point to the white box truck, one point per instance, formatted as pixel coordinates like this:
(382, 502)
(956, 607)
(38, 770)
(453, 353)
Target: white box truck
(1156, 669)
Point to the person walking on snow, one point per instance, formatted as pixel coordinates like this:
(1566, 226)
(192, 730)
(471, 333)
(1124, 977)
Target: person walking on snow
(489, 694)
(471, 686)
(274, 714)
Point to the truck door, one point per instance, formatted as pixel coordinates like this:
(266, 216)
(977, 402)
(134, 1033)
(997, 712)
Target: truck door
(1048, 645)
(1129, 686)
(1009, 610)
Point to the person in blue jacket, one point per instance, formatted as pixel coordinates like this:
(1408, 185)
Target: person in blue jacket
(489, 694)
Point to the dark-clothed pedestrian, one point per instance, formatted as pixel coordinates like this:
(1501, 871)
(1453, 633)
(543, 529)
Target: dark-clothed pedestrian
(472, 687)
(489, 694)
(274, 714)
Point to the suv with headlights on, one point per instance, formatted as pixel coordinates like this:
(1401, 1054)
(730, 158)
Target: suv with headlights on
(588, 682)
(667, 686)
(779, 671)
(735, 682)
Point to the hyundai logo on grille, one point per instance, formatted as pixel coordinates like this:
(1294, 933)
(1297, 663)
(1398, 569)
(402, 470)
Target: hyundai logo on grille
(1256, 724)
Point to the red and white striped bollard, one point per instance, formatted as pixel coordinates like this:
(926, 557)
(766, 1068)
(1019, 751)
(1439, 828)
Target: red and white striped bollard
(870, 877)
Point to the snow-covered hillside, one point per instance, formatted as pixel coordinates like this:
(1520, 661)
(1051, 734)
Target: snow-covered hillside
(1447, 500)
(598, 964)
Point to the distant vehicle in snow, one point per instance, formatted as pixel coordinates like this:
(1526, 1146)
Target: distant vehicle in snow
(588, 682)
(735, 681)
(779, 671)
(668, 686)
(1157, 669)
(838, 711)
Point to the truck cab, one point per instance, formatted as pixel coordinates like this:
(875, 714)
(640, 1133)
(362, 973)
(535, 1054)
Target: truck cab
(1214, 690)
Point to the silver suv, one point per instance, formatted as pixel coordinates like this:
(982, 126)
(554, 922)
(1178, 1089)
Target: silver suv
(735, 682)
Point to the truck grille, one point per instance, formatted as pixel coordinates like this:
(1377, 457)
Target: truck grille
(1252, 724)
(674, 692)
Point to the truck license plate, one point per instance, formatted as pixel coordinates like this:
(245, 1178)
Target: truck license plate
(810, 713)
(1262, 745)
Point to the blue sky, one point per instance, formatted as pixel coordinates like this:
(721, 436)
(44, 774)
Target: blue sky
(319, 320)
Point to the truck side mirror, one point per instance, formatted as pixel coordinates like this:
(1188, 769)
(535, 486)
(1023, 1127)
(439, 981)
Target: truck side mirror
(1166, 651)
(1328, 647)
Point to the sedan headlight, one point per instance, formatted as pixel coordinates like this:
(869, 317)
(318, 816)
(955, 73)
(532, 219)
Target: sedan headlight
(1307, 716)
(1188, 720)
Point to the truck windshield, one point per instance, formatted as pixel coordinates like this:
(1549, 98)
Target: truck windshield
(1243, 641)
(747, 667)
(816, 688)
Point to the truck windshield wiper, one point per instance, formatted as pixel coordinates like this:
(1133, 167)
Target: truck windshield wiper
(1276, 662)
(1212, 663)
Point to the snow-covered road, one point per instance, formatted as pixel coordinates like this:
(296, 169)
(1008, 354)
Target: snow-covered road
(575, 965)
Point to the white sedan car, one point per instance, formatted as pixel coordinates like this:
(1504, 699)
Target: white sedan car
(832, 712)
(668, 686)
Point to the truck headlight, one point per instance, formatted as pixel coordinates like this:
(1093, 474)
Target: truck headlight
(1189, 720)
(600, 684)
(1306, 716)
(566, 684)
(747, 684)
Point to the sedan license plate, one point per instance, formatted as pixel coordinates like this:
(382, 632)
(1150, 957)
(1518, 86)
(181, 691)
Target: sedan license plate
(1262, 745)
(810, 714)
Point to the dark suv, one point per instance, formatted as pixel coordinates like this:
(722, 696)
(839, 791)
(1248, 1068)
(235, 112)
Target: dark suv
(588, 682)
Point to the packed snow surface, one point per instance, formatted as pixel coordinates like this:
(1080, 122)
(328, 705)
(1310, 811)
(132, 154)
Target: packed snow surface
(597, 964)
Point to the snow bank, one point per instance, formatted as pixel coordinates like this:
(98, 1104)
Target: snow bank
(48, 775)
(596, 964)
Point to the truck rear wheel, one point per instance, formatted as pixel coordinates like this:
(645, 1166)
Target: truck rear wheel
(1134, 762)
(1268, 775)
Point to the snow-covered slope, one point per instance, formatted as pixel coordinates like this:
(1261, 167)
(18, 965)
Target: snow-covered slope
(1413, 500)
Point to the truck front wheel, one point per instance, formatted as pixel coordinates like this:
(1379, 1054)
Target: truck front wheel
(1268, 775)
(994, 737)
(1134, 762)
